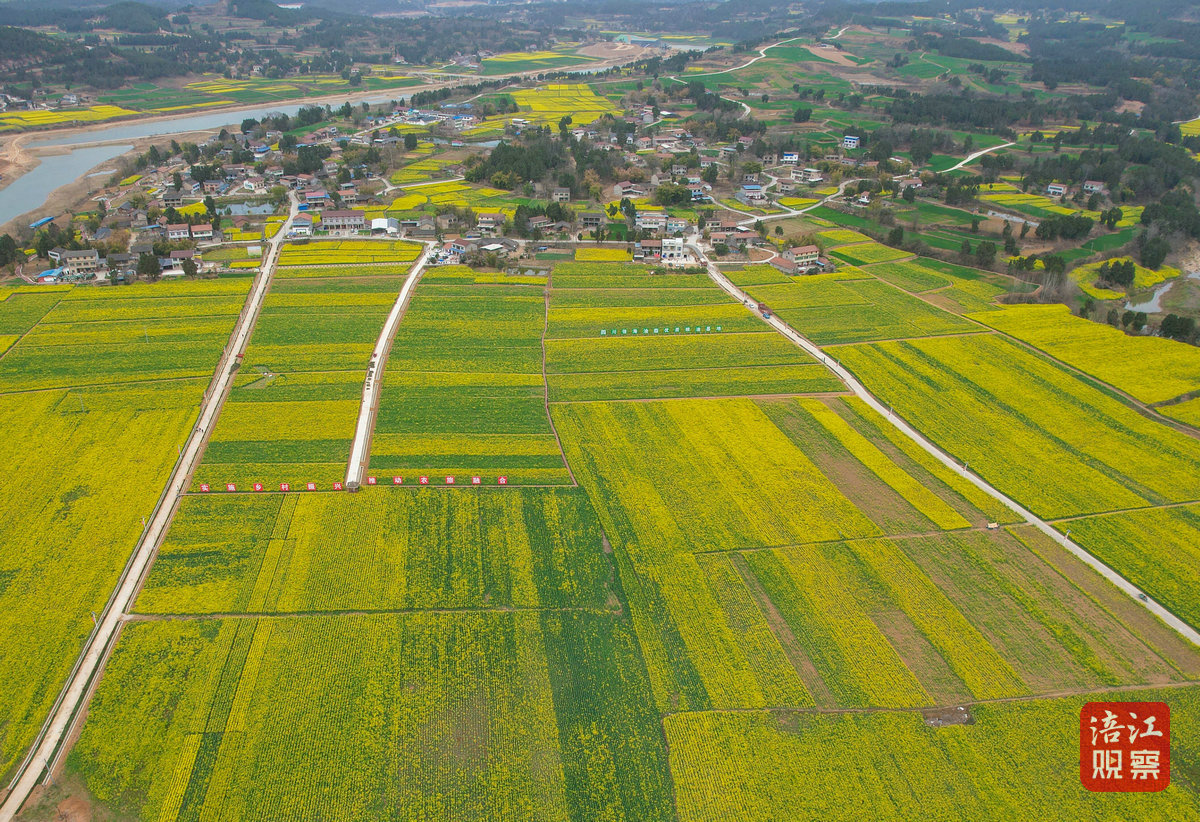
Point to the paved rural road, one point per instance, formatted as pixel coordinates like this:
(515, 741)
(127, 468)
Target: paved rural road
(762, 52)
(370, 396)
(973, 157)
(75, 691)
(860, 391)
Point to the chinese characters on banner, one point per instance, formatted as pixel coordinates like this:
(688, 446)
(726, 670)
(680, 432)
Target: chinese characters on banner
(1125, 746)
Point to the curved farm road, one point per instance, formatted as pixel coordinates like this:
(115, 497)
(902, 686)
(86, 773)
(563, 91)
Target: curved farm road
(973, 157)
(1181, 627)
(74, 693)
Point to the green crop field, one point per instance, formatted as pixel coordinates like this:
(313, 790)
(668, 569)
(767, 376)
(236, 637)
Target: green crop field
(473, 715)
(624, 552)
(857, 311)
(1152, 369)
(463, 388)
(98, 390)
(1009, 763)
(291, 414)
(643, 336)
(1023, 424)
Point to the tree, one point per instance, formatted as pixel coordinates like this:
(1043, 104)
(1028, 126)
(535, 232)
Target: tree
(149, 267)
(177, 180)
(1177, 328)
(410, 141)
(985, 253)
(709, 175)
(9, 251)
(1139, 321)
(1154, 251)
(803, 115)
(189, 269)
(896, 236)
(965, 248)
(1126, 319)
(909, 194)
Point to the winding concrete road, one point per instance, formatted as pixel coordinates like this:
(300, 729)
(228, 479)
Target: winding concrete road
(63, 714)
(970, 158)
(1181, 627)
(361, 447)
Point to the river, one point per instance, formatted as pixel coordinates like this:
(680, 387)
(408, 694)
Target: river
(1154, 304)
(88, 149)
(31, 189)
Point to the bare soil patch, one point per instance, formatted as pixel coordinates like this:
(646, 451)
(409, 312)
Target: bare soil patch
(1007, 45)
(831, 54)
(941, 717)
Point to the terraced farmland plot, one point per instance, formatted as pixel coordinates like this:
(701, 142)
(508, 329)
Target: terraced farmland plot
(864, 253)
(616, 275)
(704, 364)
(756, 275)
(842, 236)
(566, 298)
(349, 254)
(550, 103)
(394, 549)
(654, 340)
(463, 392)
(1034, 431)
(971, 290)
(91, 337)
(1017, 760)
(910, 276)
(462, 275)
(1152, 369)
(567, 323)
(90, 430)
(857, 311)
(291, 414)
(466, 716)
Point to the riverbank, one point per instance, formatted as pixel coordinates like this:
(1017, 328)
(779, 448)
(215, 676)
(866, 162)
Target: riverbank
(15, 159)
(84, 178)
(23, 154)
